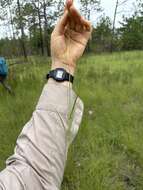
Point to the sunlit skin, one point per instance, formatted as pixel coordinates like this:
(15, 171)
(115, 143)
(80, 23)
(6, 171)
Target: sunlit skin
(69, 38)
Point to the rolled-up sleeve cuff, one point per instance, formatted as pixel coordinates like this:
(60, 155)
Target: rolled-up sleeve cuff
(57, 97)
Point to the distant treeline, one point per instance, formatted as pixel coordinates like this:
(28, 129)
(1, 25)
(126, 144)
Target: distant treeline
(30, 23)
(128, 37)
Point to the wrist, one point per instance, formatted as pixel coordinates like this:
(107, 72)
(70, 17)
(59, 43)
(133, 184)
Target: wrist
(69, 68)
(60, 65)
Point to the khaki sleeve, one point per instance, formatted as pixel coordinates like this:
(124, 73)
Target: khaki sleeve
(41, 150)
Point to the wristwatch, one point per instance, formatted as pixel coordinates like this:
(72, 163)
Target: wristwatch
(60, 75)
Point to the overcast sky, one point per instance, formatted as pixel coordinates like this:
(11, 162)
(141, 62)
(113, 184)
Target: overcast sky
(108, 7)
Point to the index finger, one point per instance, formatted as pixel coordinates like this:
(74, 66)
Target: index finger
(68, 4)
(60, 27)
(76, 16)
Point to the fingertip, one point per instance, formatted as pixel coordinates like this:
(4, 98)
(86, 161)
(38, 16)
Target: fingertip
(69, 3)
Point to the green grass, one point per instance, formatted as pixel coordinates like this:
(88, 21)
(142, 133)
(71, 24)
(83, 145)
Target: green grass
(108, 151)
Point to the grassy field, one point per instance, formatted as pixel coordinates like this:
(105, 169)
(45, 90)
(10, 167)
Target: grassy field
(108, 151)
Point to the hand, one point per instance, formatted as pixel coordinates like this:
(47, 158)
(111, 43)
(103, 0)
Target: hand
(69, 38)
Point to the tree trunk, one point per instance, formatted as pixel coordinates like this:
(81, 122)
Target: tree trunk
(46, 37)
(34, 35)
(22, 40)
(114, 22)
(11, 21)
(41, 32)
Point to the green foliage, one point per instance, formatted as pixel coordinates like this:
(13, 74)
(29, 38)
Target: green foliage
(102, 35)
(107, 153)
(9, 48)
(30, 24)
(132, 33)
(139, 7)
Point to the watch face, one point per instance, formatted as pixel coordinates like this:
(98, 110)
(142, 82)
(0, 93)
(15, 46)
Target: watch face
(59, 74)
